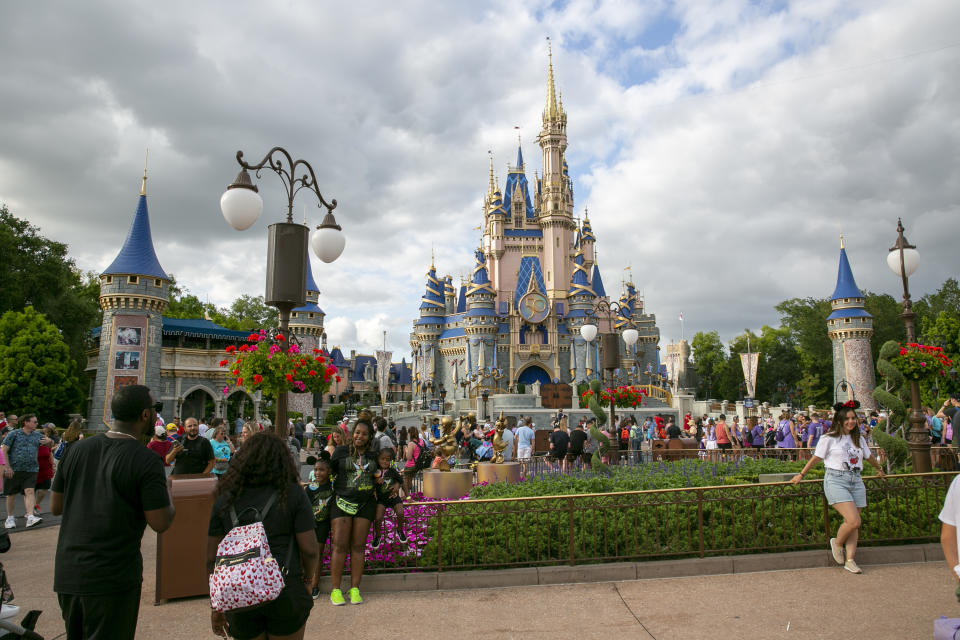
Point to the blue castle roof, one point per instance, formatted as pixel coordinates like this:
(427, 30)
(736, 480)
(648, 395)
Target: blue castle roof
(519, 157)
(586, 231)
(480, 281)
(433, 298)
(529, 269)
(337, 359)
(137, 255)
(310, 307)
(597, 283)
(846, 285)
(580, 283)
(517, 180)
(462, 299)
(854, 312)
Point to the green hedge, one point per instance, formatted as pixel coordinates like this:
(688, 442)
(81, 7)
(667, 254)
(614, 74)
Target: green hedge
(660, 525)
(334, 414)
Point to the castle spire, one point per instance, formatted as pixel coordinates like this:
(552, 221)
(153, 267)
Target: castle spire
(492, 187)
(137, 256)
(551, 111)
(143, 185)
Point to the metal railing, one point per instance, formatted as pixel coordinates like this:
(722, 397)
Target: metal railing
(651, 525)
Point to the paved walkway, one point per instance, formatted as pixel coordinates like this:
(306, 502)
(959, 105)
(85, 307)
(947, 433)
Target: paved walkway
(894, 602)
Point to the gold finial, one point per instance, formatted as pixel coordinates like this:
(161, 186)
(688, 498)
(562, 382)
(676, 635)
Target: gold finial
(433, 257)
(143, 185)
(551, 111)
(586, 214)
(492, 187)
(841, 241)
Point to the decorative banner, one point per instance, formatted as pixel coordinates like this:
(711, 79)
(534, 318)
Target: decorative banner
(128, 344)
(383, 374)
(749, 362)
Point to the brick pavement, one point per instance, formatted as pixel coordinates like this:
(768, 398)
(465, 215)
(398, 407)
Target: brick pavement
(893, 602)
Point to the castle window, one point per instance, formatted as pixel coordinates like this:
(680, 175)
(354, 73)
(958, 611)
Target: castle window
(109, 279)
(156, 282)
(846, 321)
(558, 242)
(310, 315)
(133, 279)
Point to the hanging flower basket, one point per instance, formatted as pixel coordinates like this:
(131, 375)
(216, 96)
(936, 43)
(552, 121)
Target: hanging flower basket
(921, 362)
(626, 397)
(271, 363)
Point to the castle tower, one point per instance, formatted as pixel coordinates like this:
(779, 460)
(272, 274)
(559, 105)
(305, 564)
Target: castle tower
(481, 320)
(580, 297)
(495, 219)
(850, 328)
(134, 291)
(555, 194)
(587, 240)
(428, 328)
(307, 321)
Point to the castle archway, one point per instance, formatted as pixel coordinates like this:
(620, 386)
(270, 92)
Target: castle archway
(533, 373)
(199, 402)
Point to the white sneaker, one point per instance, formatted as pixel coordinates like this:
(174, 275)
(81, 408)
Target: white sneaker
(11, 523)
(33, 520)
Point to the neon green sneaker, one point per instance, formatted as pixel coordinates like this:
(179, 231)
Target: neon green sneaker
(336, 597)
(355, 596)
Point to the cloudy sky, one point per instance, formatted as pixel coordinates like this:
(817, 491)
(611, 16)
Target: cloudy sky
(719, 146)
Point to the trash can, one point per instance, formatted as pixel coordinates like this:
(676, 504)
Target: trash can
(182, 549)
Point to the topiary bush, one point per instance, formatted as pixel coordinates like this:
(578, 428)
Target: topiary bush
(895, 447)
(603, 442)
(334, 414)
(886, 393)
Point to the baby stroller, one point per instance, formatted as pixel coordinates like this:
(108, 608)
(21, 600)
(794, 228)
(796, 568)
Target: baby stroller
(9, 628)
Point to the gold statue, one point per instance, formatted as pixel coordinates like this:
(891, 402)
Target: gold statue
(444, 446)
(498, 444)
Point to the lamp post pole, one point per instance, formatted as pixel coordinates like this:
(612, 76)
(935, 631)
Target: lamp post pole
(610, 342)
(287, 241)
(903, 259)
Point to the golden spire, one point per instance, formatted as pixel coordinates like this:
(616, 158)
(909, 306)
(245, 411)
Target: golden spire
(491, 189)
(551, 110)
(143, 185)
(841, 241)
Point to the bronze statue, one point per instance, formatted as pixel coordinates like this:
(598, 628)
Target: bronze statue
(498, 444)
(444, 446)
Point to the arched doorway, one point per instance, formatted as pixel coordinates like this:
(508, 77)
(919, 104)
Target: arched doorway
(198, 403)
(534, 373)
(238, 405)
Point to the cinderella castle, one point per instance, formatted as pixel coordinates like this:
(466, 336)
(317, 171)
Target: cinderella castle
(535, 282)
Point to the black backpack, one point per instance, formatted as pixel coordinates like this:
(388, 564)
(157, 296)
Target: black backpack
(424, 458)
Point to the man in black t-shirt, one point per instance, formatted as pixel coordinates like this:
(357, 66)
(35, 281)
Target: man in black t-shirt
(108, 488)
(559, 440)
(191, 454)
(578, 438)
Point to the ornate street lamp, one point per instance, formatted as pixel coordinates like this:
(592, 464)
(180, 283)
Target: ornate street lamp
(241, 205)
(842, 386)
(903, 259)
(485, 394)
(608, 341)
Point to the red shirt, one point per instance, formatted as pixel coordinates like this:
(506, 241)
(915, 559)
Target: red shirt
(46, 466)
(162, 448)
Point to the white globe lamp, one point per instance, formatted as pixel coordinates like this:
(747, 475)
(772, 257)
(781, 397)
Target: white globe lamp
(630, 336)
(328, 241)
(240, 203)
(588, 332)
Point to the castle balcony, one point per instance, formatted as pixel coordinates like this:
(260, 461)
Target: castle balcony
(541, 351)
(195, 361)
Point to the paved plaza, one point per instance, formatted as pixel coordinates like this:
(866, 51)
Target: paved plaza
(894, 602)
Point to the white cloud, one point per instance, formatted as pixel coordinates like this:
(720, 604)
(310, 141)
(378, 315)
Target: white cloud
(723, 177)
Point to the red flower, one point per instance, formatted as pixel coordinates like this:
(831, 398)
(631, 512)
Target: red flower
(338, 378)
(311, 372)
(223, 363)
(239, 381)
(280, 337)
(235, 372)
(253, 337)
(257, 378)
(289, 377)
(231, 349)
(244, 347)
(321, 360)
(317, 351)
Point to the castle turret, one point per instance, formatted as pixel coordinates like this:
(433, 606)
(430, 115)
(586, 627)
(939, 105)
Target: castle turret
(307, 321)
(555, 195)
(850, 328)
(428, 327)
(134, 291)
(580, 297)
(587, 240)
(480, 323)
(449, 296)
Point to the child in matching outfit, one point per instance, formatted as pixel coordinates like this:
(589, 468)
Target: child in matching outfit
(320, 492)
(387, 487)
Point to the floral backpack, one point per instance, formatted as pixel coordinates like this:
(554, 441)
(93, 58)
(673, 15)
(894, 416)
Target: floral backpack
(246, 574)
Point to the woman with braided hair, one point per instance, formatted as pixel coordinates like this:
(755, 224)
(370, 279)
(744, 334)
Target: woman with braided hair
(354, 506)
(843, 452)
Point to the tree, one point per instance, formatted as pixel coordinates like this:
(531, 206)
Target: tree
(806, 320)
(36, 271)
(250, 312)
(887, 323)
(36, 371)
(708, 358)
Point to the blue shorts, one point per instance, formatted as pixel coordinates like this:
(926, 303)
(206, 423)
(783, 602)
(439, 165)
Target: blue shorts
(844, 486)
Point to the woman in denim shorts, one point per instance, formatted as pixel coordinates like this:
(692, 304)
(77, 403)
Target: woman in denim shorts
(843, 452)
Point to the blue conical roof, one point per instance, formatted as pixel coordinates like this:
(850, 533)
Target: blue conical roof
(597, 283)
(519, 157)
(480, 280)
(137, 255)
(846, 285)
(311, 284)
(433, 298)
(579, 284)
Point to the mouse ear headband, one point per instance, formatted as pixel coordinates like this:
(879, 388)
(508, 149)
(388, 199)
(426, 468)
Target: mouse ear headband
(849, 404)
